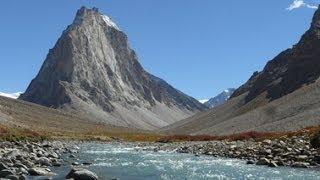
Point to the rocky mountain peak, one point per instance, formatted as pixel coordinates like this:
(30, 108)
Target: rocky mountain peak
(85, 14)
(220, 98)
(316, 19)
(93, 71)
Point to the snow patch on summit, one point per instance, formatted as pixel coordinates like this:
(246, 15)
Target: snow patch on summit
(203, 101)
(11, 95)
(109, 22)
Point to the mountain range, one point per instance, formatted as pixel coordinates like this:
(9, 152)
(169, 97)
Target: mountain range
(93, 72)
(92, 78)
(284, 96)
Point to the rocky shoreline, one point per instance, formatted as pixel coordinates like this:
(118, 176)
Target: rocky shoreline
(21, 160)
(294, 152)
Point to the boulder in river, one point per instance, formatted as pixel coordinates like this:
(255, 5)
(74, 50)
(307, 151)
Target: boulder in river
(81, 174)
(263, 161)
(39, 172)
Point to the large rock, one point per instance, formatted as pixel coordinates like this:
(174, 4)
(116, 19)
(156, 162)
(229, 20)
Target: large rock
(39, 172)
(263, 161)
(81, 174)
(3, 166)
(5, 172)
(92, 69)
(44, 161)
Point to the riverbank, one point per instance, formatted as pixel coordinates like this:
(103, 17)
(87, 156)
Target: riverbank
(293, 151)
(24, 159)
(21, 160)
(33, 155)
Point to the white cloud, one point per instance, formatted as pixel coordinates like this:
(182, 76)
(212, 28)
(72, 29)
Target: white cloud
(312, 6)
(300, 3)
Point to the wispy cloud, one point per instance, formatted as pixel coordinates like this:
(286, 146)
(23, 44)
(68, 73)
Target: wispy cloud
(300, 3)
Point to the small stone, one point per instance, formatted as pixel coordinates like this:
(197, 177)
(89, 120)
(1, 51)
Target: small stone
(267, 141)
(316, 159)
(44, 161)
(266, 151)
(75, 164)
(87, 163)
(56, 164)
(273, 164)
(23, 171)
(250, 162)
(53, 155)
(280, 163)
(19, 165)
(282, 143)
(23, 177)
(301, 165)
(13, 177)
(302, 157)
(263, 161)
(3, 166)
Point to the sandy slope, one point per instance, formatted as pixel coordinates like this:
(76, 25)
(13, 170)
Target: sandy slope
(17, 113)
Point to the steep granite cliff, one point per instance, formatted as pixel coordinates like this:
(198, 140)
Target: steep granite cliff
(92, 71)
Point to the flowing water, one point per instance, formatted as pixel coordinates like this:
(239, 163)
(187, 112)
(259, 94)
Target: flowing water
(128, 162)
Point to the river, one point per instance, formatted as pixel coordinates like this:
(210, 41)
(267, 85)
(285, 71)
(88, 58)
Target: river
(125, 161)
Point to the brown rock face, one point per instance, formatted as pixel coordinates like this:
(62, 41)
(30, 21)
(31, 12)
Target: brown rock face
(92, 71)
(290, 70)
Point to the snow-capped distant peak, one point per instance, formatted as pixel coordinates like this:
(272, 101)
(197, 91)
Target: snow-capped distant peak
(11, 95)
(109, 22)
(203, 101)
(220, 98)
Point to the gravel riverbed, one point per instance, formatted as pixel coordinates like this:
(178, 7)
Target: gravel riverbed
(294, 152)
(25, 160)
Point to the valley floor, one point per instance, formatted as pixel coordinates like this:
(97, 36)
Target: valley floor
(28, 135)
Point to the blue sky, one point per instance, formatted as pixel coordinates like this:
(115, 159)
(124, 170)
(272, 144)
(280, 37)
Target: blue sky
(200, 47)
